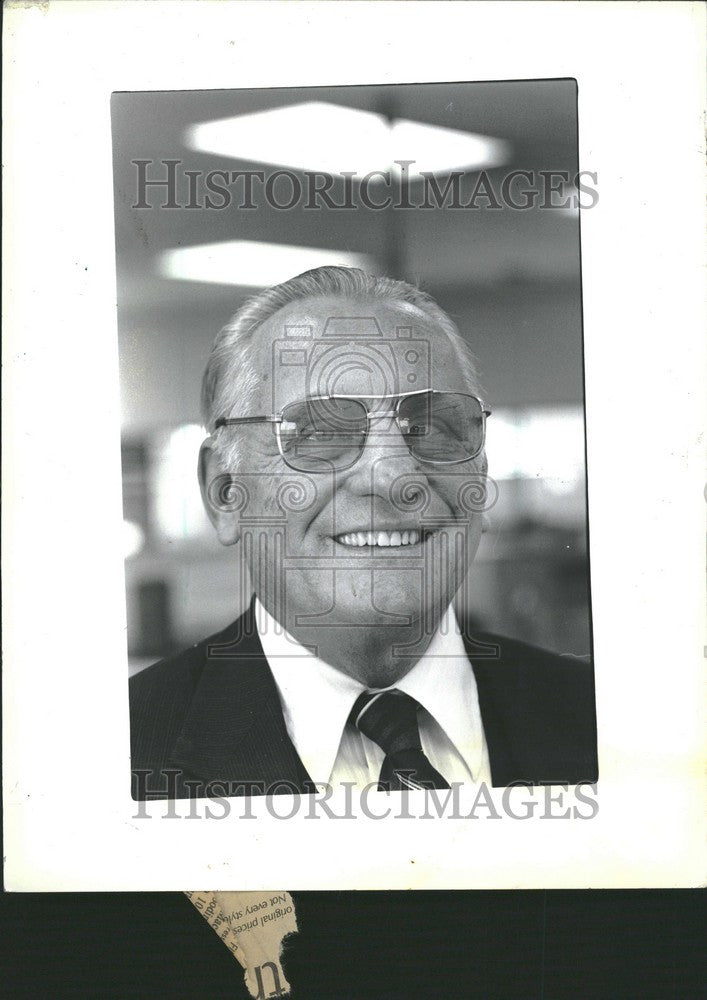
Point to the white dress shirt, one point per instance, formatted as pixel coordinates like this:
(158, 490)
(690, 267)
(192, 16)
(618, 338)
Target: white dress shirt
(317, 698)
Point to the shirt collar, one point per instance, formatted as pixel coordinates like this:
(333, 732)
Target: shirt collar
(317, 698)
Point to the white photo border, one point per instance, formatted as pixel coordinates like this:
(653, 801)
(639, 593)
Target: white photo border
(69, 819)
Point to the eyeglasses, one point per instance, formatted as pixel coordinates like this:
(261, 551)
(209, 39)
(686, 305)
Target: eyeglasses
(328, 433)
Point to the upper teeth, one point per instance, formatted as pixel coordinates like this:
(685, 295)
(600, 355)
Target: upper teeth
(379, 538)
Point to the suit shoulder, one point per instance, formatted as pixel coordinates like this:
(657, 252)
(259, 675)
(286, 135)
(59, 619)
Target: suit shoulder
(539, 707)
(161, 696)
(530, 675)
(489, 648)
(181, 668)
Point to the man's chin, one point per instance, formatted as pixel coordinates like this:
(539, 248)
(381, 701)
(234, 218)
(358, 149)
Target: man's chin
(379, 609)
(364, 598)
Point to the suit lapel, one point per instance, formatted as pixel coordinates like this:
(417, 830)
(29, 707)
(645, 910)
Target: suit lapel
(234, 730)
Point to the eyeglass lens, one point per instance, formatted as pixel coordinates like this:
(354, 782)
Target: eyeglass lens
(441, 427)
(319, 435)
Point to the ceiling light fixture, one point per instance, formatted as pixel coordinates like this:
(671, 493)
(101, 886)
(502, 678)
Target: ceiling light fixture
(332, 138)
(251, 264)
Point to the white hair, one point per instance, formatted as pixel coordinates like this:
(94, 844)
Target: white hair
(231, 379)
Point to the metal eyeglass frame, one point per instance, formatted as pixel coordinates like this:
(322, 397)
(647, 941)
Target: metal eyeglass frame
(277, 419)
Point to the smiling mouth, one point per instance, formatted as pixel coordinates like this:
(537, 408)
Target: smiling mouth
(383, 539)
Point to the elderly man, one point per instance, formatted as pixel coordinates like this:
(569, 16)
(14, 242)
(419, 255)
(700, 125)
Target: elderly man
(346, 455)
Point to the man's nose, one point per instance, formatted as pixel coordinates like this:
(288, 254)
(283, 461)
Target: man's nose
(385, 455)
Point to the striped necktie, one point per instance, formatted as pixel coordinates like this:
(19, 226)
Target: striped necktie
(389, 718)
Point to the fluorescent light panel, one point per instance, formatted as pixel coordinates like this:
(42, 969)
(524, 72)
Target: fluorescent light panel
(251, 264)
(332, 138)
(178, 510)
(537, 443)
(133, 539)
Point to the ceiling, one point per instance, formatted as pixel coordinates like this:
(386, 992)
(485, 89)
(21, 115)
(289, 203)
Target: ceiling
(506, 260)
(439, 248)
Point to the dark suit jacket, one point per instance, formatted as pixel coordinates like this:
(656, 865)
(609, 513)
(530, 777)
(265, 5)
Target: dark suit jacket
(211, 715)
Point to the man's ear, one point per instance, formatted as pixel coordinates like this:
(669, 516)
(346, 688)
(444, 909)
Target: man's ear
(215, 485)
(485, 519)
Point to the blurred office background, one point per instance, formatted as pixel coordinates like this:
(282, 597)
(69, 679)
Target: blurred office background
(510, 278)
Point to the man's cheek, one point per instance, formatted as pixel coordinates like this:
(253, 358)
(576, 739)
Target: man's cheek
(288, 498)
(467, 492)
(269, 493)
(447, 489)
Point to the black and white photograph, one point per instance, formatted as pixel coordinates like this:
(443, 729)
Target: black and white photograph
(353, 452)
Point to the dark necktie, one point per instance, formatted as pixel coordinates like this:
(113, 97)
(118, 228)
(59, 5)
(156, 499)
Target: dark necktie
(389, 718)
